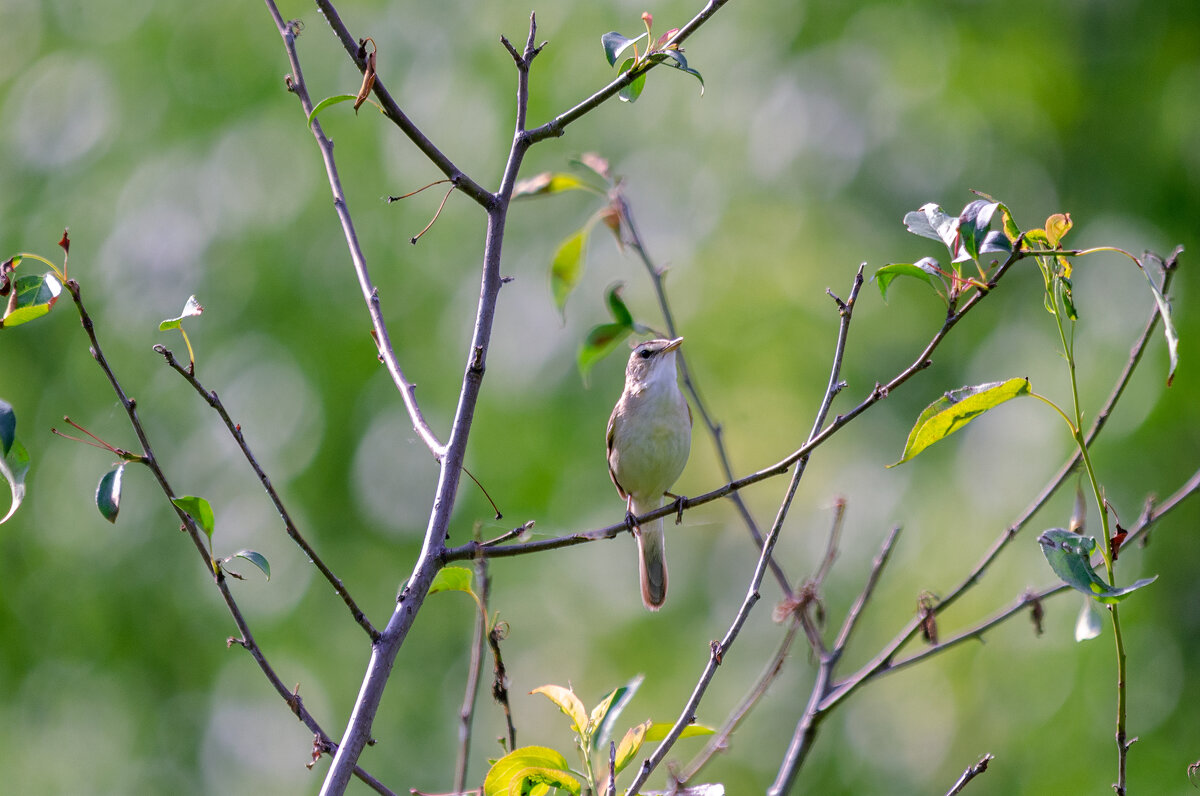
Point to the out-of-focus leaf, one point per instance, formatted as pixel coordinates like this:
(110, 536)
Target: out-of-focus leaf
(190, 308)
(108, 493)
(1087, 625)
(567, 267)
(548, 182)
(615, 44)
(14, 466)
(8, 426)
(257, 559)
(568, 703)
(926, 269)
(616, 305)
(957, 408)
(628, 748)
(1164, 311)
(35, 295)
(1069, 555)
(605, 715)
(199, 510)
(660, 729)
(517, 771)
(599, 343)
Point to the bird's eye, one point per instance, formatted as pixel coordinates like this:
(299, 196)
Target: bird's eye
(645, 353)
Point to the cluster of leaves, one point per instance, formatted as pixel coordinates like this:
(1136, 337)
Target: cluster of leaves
(537, 769)
(658, 51)
(968, 237)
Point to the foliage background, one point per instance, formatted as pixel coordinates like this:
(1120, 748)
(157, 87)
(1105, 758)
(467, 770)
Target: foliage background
(162, 135)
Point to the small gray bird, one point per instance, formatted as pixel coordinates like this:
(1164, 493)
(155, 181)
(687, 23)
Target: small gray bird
(649, 438)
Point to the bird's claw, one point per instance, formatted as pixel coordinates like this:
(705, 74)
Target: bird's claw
(680, 505)
(630, 521)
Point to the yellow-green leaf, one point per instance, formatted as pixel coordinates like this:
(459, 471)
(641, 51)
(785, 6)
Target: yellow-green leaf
(628, 748)
(957, 408)
(529, 765)
(568, 703)
(567, 267)
(660, 729)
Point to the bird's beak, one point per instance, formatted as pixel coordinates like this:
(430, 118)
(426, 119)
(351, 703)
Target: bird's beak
(671, 346)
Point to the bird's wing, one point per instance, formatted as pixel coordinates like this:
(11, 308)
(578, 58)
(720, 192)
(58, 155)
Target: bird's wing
(611, 440)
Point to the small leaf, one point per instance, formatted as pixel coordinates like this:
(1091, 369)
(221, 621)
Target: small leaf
(1087, 625)
(1164, 311)
(512, 774)
(605, 715)
(615, 44)
(1069, 555)
(1063, 285)
(596, 164)
(616, 305)
(547, 183)
(8, 426)
(567, 267)
(660, 729)
(634, 90)
(628, 748)
(257, 559)
(108, 493)
(199, 510)
(926, 269)
(1057, 227)
(568, 703)
(34, 297)
(452, 579)
(973, 224)
(14, 466)
(931, 221)
(995, 243)
(957, 408)
(192, 307)
(599, 343)
(675, 58)
(325, 103)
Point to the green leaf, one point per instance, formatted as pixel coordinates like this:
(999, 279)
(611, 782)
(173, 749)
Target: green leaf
(1069, 555)
(973, 224)
(199, 510)
(8, 426)
(190, 308)
(957, 408)
(616, 305)
(675, 58)
(628, 748)
(35, 295)
(1087, 625)
(567, 267)
(634, 90)
(530, 765)
(931, 221)
(568, 703)
(605, 715)
(14, 466)
(926, 269)
(452, 579)
(548, 183)
(1164, 311)
(599, 343)
(1063, 286)
(257, 559)
(325, 103)
(614, 44)
(660, 729)
(108, 493)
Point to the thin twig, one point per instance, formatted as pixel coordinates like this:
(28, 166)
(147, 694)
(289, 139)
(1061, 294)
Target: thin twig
(972, 771)
(198, 537)
(466, 714)
(370, 293)
(235, 429)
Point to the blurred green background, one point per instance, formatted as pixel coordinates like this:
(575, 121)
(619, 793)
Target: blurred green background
(162, 135)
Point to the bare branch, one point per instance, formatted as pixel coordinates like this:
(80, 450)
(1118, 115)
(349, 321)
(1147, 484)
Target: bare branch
(972, 771)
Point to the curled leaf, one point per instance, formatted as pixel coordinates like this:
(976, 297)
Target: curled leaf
(108, 493)
(14, 466)
(1069, 555)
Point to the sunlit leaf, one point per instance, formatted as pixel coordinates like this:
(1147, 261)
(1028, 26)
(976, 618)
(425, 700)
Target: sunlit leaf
(973, 225)
(334, 100)
(1069, 555)
(675, 58)
(8, 427)
(634, 90)
(568, 703)
(548, 183)
(190, 308)
(628, 748)
(199, 510)
(926, 269)
(108, 493)
(14, 466)
(35, 295)
(1057, 227)
(257, 559)
(615, 44)
(660, 729)
(567, 267)
(512, 774)
(957, 408)
(1164, 311)
(931, 221)
(605, 715)
(452, 579)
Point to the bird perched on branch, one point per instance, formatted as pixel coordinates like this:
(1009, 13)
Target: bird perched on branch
(649, 438)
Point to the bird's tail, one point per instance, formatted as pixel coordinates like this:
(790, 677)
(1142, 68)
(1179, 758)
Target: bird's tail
(652, 556)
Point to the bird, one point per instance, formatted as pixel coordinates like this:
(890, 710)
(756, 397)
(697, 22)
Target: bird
(649, 440)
